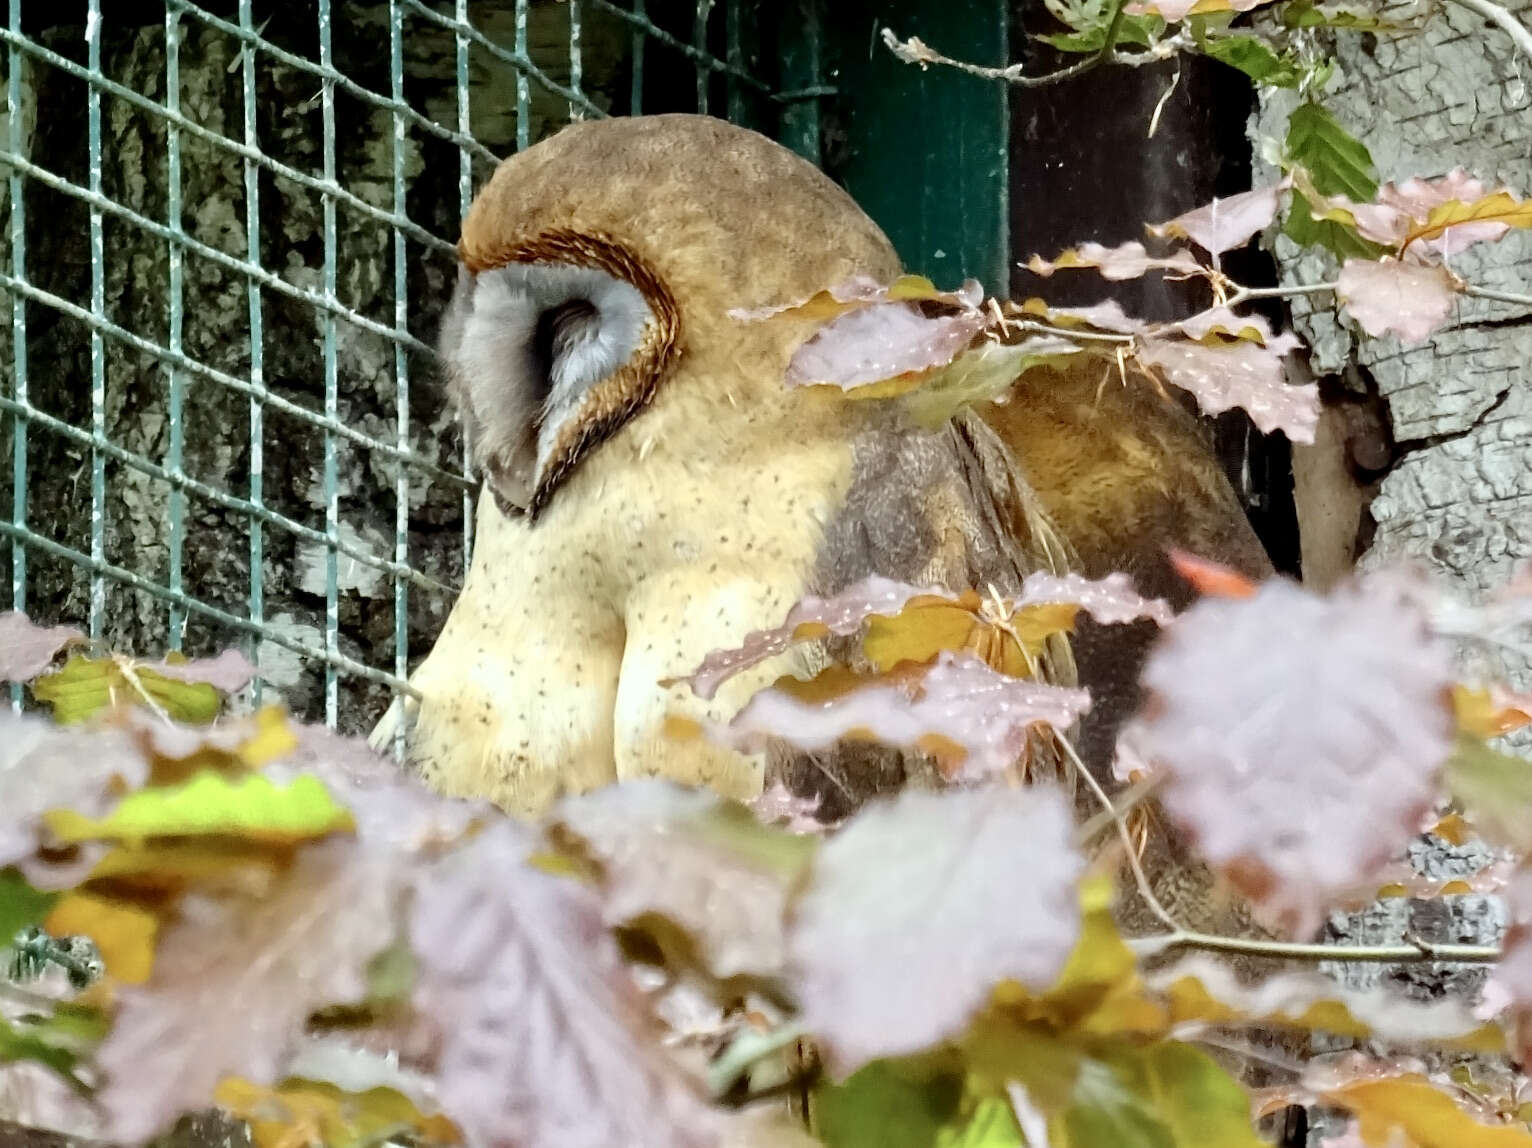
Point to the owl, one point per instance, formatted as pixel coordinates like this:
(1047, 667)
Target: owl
(653, 491)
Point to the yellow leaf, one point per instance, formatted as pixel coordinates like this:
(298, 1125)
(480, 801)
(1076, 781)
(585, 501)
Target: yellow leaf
(1409, 1106)
(1453, 829)
(917, 634)
(165, 868)
(306, 1112)
(124, 934)
(1481, 714)
(83, 687)
(250, 807)
(1498, 207)
(271, 739)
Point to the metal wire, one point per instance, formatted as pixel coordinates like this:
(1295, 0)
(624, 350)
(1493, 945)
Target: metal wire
(403, 458)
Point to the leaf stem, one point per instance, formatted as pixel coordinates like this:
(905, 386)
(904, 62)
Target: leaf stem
(916, 51)
(1497, 296)
(1140, 878)
(1245, 293)
(1416, 952)
(748, 1048)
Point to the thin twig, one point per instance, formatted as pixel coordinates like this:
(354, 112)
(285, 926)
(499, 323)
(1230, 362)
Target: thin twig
(1140, 878)
(1417, 953)
(1140, 791)
(1513, 27)
(917, 51)
(1246, 293)
(1497, 296)
(748, 1048)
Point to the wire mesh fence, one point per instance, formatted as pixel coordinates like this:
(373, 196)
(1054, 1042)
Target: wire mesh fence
(228, 236)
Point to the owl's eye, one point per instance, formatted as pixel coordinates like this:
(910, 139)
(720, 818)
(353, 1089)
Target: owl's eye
(524, 345)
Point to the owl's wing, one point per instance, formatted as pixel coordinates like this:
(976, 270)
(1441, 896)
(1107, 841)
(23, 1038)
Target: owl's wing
(1124, 473)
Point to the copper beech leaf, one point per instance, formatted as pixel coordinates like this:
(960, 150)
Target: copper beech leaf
(1387, 297)
(543, 1037)
(84, 687)
(704, 863)
(1511, 981)
(211, 804)
(1342, 699)
(1225, 224)
(861, 291)
(228, 672)
(1241, 374)
(1202, 990)
(1125, 261)
(43, 767)
(307, 1111)
(921, 905)
(1453, 225)
(974, 718)
(880, 342)
(27, 649)
(941, 616)
(235, 979)
(1408, 1108)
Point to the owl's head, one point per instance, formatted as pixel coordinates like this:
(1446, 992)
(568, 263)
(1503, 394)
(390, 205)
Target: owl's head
(597, 263)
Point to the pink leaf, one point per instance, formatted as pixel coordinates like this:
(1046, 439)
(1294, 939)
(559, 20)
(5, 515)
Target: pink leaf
(1109, 600)
(1220, 321)
(43, 767)
(960, 700)
(1405, 299)
(27, 649)
(1228, 223)
(921, 905)
(1237, 375)
(1126, 261)
(1278, 717)
(544, 1037)
(228, 673)
(687, 855)
(235, 980)
(880, 342)
(811, 618)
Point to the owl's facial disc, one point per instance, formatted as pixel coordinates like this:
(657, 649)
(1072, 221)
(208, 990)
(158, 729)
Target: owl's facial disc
(529, 347)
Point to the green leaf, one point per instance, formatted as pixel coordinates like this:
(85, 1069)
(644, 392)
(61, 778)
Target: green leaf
(1343, 242)
(1257, 60)
(85, 686)
(1106, 1113)
(20, 904)
(249, 807)
(888, 1105)
(1336, 160)
(1309, 14)
(1200, 1103)
(16, 1044)
(1494, 788)
(992, 1125)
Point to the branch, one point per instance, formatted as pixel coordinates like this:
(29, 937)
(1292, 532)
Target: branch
(1497, 296)
(1513, 27)
(1416, 952)
(1140, 878)
(917, 51)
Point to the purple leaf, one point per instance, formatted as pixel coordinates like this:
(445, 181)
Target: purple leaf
(1125, 261)
(1342, 700)
(921, 905)
(228, 673)
(545, 1039)
(958, 703)
(1228, 223)
(880, 342)
(1241, 374)
(27, 649)
(1405, 299)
